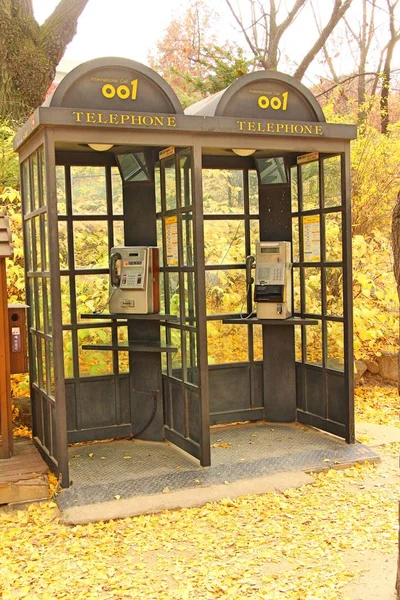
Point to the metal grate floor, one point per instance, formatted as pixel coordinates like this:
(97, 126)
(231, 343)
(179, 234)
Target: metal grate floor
(101, 470)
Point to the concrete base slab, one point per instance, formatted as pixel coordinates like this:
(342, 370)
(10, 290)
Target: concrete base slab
(187, 498)
(124, 477)
(378, 435)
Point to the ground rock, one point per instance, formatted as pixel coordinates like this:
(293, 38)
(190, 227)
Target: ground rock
(388, 366)
(373, 366)
(24, 407)
(359, 369)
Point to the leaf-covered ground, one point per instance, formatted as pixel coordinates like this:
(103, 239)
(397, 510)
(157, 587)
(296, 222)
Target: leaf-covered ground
(377, 402)
(305, 544)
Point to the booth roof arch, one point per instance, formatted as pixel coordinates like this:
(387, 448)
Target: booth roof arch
(113, 83)
(264, 94)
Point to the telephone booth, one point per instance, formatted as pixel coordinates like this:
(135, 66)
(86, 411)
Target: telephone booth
(113, 161)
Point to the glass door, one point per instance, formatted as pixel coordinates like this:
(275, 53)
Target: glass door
(321, 268)
(186, 422)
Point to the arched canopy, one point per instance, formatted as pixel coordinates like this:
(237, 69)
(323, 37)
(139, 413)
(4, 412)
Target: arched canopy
(112, 84)
(262, 95)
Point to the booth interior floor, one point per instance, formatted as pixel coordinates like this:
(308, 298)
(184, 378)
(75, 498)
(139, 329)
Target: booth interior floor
(102, 470)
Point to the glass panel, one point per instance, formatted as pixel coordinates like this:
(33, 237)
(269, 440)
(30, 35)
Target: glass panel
(294, 189)
(296, 290)
(65, 300)
(92, 293)
(157, 187)
(333, 237)
(332, 181)
(133, 166)
(60, 183)
(162, 294)
(119, 236)
(185, 163)
(26, 181)
(48, 366)
(39, 304)
(160, 241)
(38, 249)
(257, 342)
(173, 293)
(226, 343)
(190, 311)
(334, 291)
(88, 186)
(224, 242)
(298, 343)
(226, 291)
(223, 191)
(335, 343)
(123, 357)
(310, 185)
(29, 257)
(272, 170)
(43, 366)
(187, 239)
(43, 191)
(312, 283)
(32, 302)
(164, 355)
(116, 184)
(45, 231)
(170, 184)
(49, 313)
(90, 244)
(254, 236)
(176, 357)
(253, 193)
(94, 362)
(35, 369)
(295, 240)
(191, 357)
(52, 384)
(35, 169)
(314, 344)
(311, 238)
(68, 354)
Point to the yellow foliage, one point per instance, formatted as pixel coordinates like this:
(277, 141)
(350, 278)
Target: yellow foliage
(289, 546)
(377, 404)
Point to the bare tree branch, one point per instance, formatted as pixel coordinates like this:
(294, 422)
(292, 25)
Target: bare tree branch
(338, 11)
(328, 59)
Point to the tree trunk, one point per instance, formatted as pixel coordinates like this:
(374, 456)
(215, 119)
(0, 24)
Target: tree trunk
(394, 38)
(29, 53)
(396, 268)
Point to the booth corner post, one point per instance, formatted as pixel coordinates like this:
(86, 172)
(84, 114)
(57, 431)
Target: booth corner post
(6, 440)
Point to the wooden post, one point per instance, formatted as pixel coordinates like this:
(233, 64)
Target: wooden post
(6, 442)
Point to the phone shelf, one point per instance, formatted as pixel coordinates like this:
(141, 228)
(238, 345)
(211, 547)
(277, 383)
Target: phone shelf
(146, 317)
(132, 347)
(256, 321)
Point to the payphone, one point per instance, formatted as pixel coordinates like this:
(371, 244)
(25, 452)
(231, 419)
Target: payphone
(134, 280)
(273, 279)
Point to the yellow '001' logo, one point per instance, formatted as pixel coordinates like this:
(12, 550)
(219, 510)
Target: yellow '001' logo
(275, 102)
(123, 91)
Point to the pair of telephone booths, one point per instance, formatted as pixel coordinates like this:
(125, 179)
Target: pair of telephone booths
(113, 161)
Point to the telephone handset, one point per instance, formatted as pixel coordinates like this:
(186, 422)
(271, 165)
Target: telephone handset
(115, 269)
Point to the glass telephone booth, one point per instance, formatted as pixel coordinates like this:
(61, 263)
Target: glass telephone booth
(101, 172)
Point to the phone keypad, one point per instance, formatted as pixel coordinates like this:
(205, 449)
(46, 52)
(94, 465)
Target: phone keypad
(276, 274)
